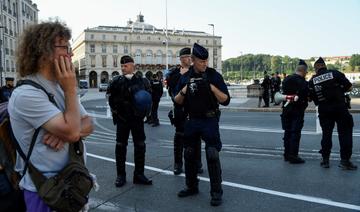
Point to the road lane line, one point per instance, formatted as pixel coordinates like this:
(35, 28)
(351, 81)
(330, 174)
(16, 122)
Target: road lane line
(240, 128)
(250, 188)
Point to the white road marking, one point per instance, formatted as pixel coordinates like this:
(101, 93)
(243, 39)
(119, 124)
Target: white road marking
(238, 128)
(250, 188)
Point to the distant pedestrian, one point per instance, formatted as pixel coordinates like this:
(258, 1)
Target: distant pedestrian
(266, 85)
(7, 89)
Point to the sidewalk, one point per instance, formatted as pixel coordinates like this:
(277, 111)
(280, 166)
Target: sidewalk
(236, 104)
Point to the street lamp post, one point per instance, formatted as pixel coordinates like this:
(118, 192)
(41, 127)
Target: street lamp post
(254, 70)
(166, 37)
(241, 61)
(213, 46)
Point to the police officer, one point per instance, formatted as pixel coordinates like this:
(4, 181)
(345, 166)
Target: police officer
(292, 117)
(266, 85)
(275, 86)
(130, 101)
(327, 88)
(156, 93)
(177, 115)
(201, 89)
(5, 91)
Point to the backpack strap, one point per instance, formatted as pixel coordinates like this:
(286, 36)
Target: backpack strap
(26, 158)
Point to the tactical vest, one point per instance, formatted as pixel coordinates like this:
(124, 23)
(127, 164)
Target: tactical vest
(326, 88)
(200, 101)
(121, 98)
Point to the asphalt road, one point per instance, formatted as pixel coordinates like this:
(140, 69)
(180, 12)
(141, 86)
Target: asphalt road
(254, 174)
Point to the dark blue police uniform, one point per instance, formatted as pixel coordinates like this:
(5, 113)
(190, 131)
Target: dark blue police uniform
(327, 88)
(292, 117)
(202, 109)
(177, 116)
(129, 118)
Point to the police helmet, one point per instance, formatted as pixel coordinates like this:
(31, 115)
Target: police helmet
(142, 100)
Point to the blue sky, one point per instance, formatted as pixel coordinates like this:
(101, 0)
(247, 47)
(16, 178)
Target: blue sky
(298, 28)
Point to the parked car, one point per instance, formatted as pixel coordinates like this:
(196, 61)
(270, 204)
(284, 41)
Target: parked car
(83, 84)
(103, 86)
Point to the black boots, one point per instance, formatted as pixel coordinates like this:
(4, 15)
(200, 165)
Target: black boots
(120, 180)
(325, 163)
(347, 165)
(141, 179)
(295, 159)
(214, 168)
(188, 192)
(137, 179)
(178, 169)
(216, 198)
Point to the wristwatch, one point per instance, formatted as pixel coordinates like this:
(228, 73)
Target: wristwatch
(182, 93)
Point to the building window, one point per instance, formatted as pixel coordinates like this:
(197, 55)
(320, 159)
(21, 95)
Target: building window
(7, 65)
(125, 37)
(103, 60)
(198, 41)
(215, 42)
(148, 38)
(169, 55)
(103, 37)
(138, 37)
(215, 63)
(14, 28)
(189, 40)
(114, 37)
(115, 49)
(138, 56)
(215, 51)
(92, 36)
(149, 57)
(115, 60)
(158, 57)
(206, 41)
(92, 48)
(12, 66)
(178, 57)
(92, 60)
(126, 50)
(103, 48)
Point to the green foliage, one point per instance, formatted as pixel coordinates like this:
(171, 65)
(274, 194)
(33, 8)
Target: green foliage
(355, 60)
(249, 66)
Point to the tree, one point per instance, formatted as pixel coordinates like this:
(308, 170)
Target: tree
(355, 60)
(275, 63)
